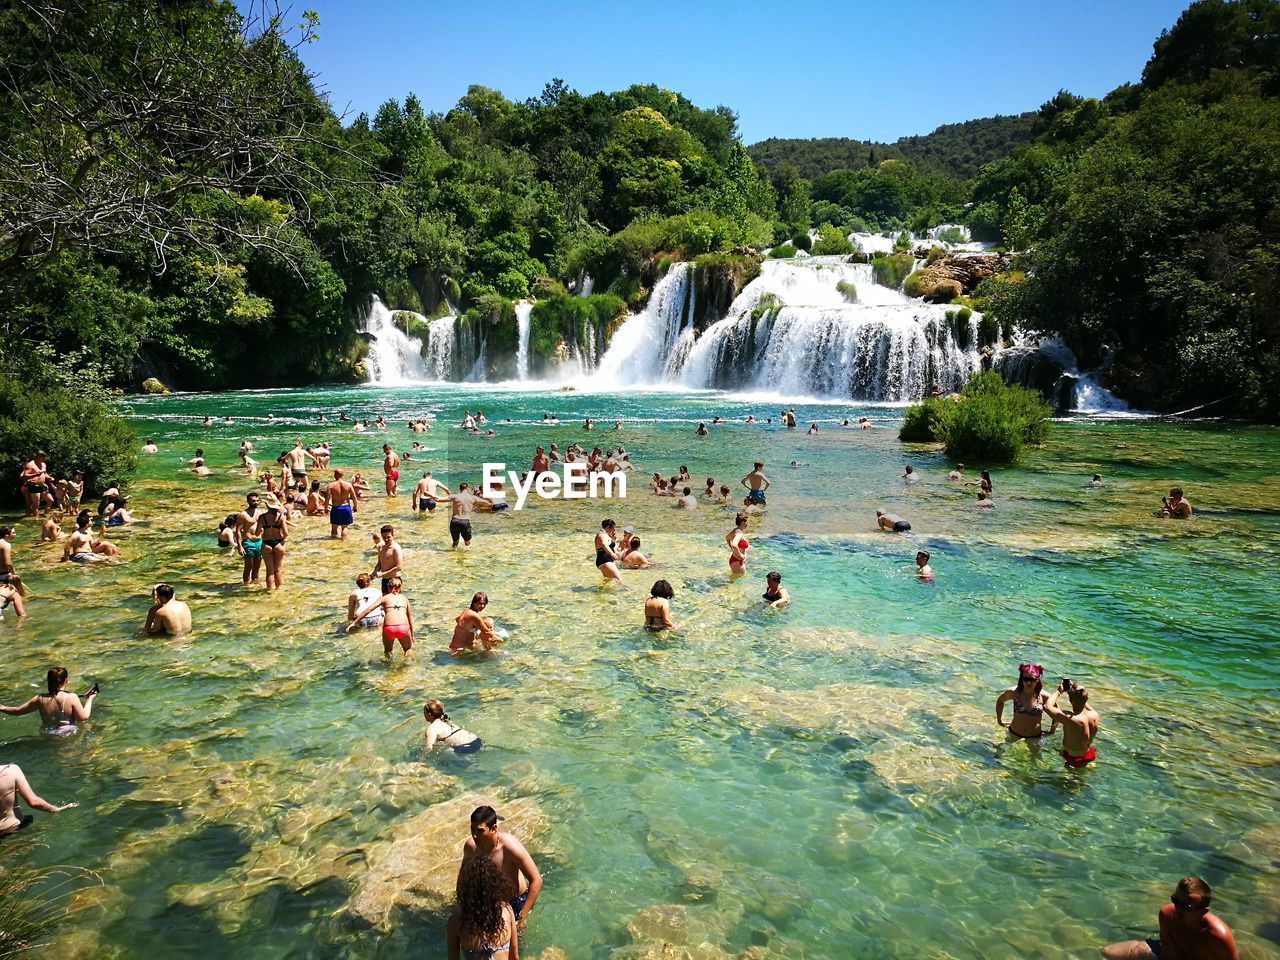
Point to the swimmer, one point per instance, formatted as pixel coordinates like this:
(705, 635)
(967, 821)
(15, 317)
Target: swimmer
(441, 730)
(710, 492)
(60, 711)
(756, 483)
(460, 506)
(82, 548)
(1176, 506)
(606, 551)
(1079, 724)
(984, 501)
(116, 516)
(957, 473)
(197, 464)
(1188, 931)
(751, 418)
(397, 619)
(274, 527)
(167, 615)
(738, 545)
(657, 608)
(150, 446)
(923, 570)
(1096, 481)
(910, 476)
(362, 487)
(341, 497)
(632, 558)
(864, 423)
(687, 500)
(702, 430)
(208, 422)
(1028, 698)
(469, 628)
(775, 594)
(982, 483)
(891, 522)
(14, 786)
(248, 538)
(813, 430)
(617, 424)
(227, 531)
(51, 528)
(365, 595)
(724, 493)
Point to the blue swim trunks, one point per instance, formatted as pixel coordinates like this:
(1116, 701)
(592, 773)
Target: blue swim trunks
(341, 515)
(755, 496)
(517, 903)
(252, 548)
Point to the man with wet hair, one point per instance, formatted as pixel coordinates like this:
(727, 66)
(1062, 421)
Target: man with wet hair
(390, 557)
(509, 856)
(1079, 724)
(756, 483)
(461, 503)
(1176, 506)
(1188, 931)
(341, 495)
(167, 615)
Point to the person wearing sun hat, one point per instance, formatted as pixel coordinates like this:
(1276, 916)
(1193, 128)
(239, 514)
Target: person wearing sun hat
(274, 526)
(1028, 699)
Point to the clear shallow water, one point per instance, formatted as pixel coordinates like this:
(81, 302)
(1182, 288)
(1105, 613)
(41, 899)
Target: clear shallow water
(824, 782)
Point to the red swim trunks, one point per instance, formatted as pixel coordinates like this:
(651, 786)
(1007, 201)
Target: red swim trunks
(393, 474)
(1077, 762)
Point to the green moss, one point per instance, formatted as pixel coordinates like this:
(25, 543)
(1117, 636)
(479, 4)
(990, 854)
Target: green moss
(961, 330)
(891, 269)
(914, 285)
(559, 325)
(988, 331)
(718, 278)
(848, 291)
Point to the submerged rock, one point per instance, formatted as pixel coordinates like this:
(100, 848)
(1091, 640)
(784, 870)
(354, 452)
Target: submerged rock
(416, 867)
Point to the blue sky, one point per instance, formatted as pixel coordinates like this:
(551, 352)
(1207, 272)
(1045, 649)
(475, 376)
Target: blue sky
(874, 71)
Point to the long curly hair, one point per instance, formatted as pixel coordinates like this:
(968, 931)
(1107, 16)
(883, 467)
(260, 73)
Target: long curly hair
(482, 891)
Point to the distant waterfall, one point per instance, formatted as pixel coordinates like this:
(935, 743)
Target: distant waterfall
(524, 310)
(393, 357)
(643, 344)
(441, 348)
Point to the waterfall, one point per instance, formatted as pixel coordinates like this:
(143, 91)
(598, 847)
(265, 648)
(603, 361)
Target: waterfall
(641, 347)
(1050, 366)
(523, 311)
(441, 343)
(393, 357)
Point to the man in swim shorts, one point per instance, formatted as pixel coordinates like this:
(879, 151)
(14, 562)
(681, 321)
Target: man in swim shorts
(1188, 931)
(1079, 724)
(391, 468)
(390, 558)
(425, 493)
(341, 496)
(461, 503)
(297, 460)
(891, 522)
(509, 856)
(249, 538)
(756, 483)
(167, 615)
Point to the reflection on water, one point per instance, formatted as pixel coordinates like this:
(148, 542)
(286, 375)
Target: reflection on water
(827, 780)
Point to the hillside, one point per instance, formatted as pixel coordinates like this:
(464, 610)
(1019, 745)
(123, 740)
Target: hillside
(956, 150)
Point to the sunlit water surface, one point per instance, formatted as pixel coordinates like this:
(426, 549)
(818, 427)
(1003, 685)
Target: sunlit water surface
(825, 781)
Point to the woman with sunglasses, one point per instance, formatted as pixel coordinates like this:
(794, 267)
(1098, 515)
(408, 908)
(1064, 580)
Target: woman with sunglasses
(1028, 699)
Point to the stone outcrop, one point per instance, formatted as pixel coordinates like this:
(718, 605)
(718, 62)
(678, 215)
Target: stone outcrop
(949, 277)
(416, 867)
(153, 385)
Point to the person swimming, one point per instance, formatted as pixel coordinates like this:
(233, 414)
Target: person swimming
(441, 730)
(775, 594)
(657, 609)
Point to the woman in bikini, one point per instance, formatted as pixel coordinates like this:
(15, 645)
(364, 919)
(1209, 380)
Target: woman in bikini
(442, 730)
(274, 528)
(482, 926)
(657, 611)
(14, 786)
(1028, 704)
(397, 619)
(737, 541)
(775, 594)
(60, 710)
(606, 551)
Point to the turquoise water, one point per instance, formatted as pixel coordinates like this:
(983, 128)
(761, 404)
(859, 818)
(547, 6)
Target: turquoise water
(824, 781)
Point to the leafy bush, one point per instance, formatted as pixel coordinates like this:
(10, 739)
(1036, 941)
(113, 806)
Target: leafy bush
(801, 240)
(784, 252)
(913, 285)
(991, 420)
(559, 324)
(891, 269)
(920, 422)
(79, 431)
(847, 290)
(951, 235)
(902, 243)
(831, 242)
(934, 255)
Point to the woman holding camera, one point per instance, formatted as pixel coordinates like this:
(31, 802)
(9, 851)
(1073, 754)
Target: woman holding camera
(60, 710)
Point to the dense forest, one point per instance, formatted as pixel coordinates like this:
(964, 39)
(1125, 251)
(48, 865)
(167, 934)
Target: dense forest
(178, 200)
(955, 150)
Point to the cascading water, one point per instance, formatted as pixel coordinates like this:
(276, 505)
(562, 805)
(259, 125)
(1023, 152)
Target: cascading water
(1050, 366)
(441, 344)
(640, 349)
(394, 358)
(524, 309)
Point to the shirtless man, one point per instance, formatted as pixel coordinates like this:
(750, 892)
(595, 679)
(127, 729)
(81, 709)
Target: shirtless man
(1188, 931)
(541, 463)
(14, 786)
(423, 497)
(1176, 506)
(509, 856)
(756, 483)
(891, 522)
(632, 558)
(341, 496)
(150, 446)
(249, 538)
(167, 615)
(33, 477)
(50, 529)
(390, 467)
(296, 459)
(957, 473)
(397, 618)
(390, 558)
(1079, 724)
(469, 627)
(197, 464)
(461, 503)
